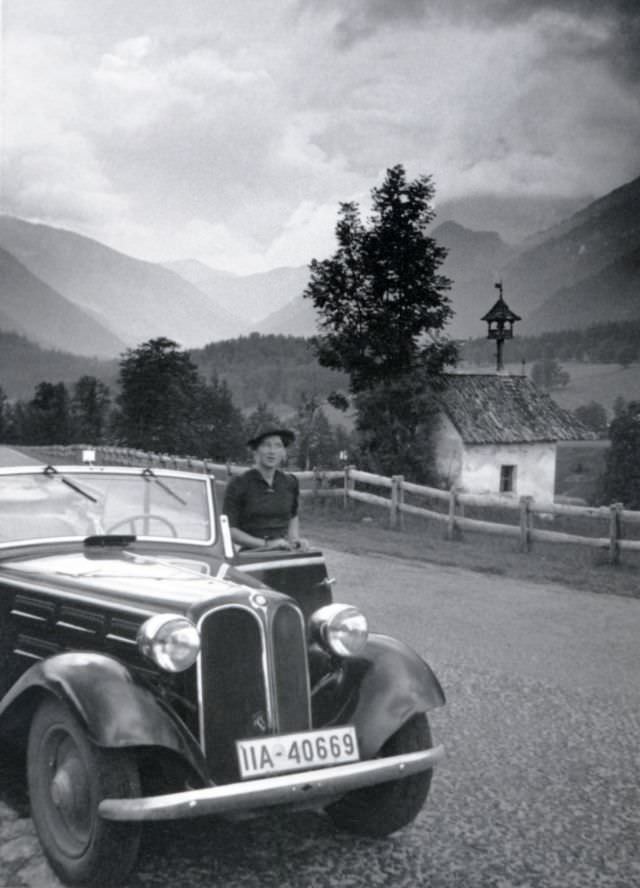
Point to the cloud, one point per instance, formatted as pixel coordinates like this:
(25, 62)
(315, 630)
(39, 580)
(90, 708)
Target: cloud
(357, 20)
(234, 137)
(51, 170)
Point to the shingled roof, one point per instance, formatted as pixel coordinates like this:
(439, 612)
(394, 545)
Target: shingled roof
(495, 409)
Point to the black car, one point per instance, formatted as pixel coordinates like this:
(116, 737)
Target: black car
(151, 672)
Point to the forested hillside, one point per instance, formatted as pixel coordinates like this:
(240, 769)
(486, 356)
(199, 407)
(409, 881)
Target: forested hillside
(267, 369)
(275, 370)
(599, 344)
(278, 370)
(23, 365)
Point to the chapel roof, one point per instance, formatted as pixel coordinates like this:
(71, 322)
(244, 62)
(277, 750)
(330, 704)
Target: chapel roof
(502, 409)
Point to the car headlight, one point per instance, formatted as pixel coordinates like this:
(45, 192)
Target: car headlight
(340, 628)
(171, 641)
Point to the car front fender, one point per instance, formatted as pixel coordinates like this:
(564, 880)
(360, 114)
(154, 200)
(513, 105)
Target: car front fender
(395, 685)
(116, 711)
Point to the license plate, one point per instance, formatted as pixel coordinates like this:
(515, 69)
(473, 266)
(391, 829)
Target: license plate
(263, 756)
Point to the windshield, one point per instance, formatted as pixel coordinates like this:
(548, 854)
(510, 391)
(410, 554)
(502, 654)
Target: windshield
(77, 502)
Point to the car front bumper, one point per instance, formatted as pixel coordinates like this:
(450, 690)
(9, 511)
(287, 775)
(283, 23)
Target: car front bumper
(302, 789)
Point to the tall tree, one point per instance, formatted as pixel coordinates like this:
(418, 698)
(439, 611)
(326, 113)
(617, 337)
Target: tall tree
(383, 307)
(621, 479)
(90, 408)
(381, 301)
(223, 432)
(4, 415)
(47, 418)
(594, 416)
(159, 399)
(315, 442)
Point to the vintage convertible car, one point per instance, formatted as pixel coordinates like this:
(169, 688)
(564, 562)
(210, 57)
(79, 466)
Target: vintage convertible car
(152, 672)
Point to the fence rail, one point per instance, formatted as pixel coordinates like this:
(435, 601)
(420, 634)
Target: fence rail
(446, 506)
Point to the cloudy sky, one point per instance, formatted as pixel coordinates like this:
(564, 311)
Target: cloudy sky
(230, 130)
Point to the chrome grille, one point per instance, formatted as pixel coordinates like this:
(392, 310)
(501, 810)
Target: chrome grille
(253, 680)
(290, 670)
(234, 700)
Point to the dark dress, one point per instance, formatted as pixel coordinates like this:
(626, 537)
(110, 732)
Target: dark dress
(258, 508)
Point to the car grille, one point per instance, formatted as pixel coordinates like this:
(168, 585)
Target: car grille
(290, 670)
(238, 700)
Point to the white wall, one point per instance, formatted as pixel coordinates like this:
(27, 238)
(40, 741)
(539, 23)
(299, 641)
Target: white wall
(449, 452)
(535, 469)
(476, 468)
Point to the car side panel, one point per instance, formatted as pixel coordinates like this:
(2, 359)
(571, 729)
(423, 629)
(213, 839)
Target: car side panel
(117, 711)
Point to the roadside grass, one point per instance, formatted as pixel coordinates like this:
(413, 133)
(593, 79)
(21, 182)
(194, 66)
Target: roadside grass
(365, 531)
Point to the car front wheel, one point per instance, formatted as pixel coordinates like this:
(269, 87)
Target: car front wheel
(68, 776)
(382, 809)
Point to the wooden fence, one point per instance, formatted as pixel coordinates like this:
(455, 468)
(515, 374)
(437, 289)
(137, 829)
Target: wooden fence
(445, 506)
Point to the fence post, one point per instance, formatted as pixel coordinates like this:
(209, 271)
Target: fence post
(615, 532)
(348, 485)
(400, 501)
(326, 498)
(315, 486)
(525, 523)
(393, 503)
(451, 523)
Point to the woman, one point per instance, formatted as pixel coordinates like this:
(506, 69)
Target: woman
(262, 503)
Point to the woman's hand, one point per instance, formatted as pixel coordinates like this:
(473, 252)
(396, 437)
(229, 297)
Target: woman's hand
(300, 544)
(277, 543)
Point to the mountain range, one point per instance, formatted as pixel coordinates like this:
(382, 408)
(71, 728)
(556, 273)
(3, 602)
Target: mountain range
(129, 299)
(581, 271)
(249, 298)
(64, 291)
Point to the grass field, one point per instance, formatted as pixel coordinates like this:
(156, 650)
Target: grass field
(598, 382)
(362, 530)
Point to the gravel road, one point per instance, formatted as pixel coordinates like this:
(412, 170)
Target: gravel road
(541, 784)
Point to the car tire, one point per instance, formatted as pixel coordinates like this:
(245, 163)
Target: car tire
(68, 776)
(380, 810)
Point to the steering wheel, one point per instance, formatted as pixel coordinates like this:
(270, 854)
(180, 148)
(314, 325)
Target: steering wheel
(145, 517)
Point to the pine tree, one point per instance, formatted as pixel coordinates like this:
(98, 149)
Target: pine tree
(159, 401)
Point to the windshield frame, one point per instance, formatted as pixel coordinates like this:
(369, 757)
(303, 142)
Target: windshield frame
(65, 472)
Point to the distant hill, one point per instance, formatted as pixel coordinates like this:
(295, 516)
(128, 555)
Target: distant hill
(275, 370)
(297, 318)
(29, 306)
(562, 275)
(474, 264)
(581, 270)
(613, 342)
(252, 297)
(135, 300)
(271, 369)
(552, 265)
(513, 218)
(23, 365)
(611, 294)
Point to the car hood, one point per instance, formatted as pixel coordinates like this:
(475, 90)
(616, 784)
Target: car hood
(153, 581)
